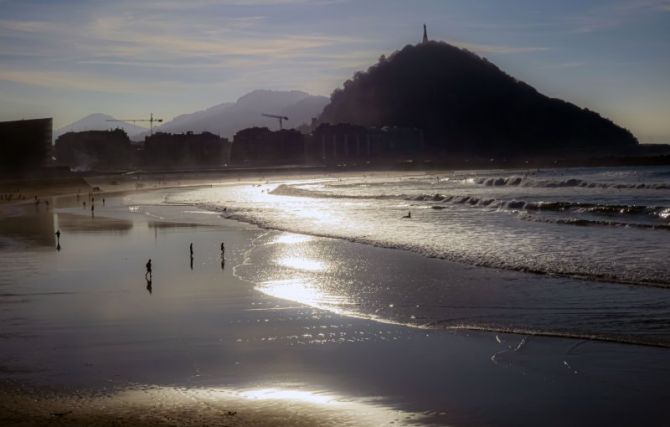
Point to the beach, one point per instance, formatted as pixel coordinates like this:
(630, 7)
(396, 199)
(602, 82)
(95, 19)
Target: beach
(301, 328)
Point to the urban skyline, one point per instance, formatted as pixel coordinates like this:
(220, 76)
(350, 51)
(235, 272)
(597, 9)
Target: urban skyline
(71, 58)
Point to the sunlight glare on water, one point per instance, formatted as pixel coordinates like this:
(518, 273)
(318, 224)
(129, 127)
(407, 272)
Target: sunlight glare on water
(290, 238)
(302, 291)
(300, 263)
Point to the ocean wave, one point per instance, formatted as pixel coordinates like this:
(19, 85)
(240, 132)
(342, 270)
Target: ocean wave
(659, 213)
(291, 190)
(581, 222)
(524, 181)
(248, 216)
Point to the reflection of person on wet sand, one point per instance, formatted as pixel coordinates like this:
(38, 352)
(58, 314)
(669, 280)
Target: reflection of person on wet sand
(149, 286)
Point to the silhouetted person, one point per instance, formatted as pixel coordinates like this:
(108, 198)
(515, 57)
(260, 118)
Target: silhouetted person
(103, 201)
(92, 209)
(58, 234)
(223, 249)
(190, 248)
(409, 215)
(148, 273)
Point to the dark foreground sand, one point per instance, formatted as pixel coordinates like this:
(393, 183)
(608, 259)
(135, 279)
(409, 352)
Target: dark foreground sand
(183, 407)
(86, 340)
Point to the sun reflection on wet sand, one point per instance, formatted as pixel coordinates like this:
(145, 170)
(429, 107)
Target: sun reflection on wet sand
(274, 405)
(285, 394)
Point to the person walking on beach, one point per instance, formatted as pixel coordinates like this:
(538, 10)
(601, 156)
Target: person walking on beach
(58, 235)
(191, 249)
(223, 249)
(148, 273)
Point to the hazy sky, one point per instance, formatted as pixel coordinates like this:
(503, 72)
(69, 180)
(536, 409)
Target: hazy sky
(128, 58)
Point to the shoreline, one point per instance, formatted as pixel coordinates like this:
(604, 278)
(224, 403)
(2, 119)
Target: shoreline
(464, 375)
(128, 180)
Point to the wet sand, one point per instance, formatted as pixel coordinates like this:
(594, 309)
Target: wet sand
(86, 340)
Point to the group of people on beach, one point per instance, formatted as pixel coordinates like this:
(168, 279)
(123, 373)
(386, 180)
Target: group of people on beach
(10, 196)
(148, 274)
(91, 199)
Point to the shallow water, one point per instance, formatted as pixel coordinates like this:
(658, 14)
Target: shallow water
(596, 240)
(83, 318)
(599, 224)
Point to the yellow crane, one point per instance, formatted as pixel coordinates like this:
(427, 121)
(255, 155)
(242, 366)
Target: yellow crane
(151, 121)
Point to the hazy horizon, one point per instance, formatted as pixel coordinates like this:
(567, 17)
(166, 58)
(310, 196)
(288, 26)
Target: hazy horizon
(68, 59)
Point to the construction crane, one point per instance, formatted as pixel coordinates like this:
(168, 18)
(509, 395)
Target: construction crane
(280, 118)
(151, 121)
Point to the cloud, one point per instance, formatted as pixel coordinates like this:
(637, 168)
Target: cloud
(81, 81)
(25, 26)
(565, 65)
(151, 40)
(613, 15)
(496, 49)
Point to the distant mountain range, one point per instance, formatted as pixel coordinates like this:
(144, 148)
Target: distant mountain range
(228, 118)
(223, 119)
(99, 121)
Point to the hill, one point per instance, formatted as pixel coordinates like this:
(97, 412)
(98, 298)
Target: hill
(465, 104)
(98, 121)
(228, 118)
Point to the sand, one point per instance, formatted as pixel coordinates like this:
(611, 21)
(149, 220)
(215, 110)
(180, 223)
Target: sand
(86, 340)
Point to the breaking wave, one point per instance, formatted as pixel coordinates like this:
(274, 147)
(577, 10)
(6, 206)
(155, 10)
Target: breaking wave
(654, 213)
(523, 181)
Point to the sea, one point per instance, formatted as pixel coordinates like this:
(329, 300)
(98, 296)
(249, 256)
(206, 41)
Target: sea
(572, 252)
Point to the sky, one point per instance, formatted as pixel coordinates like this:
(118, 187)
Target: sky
(128, 58)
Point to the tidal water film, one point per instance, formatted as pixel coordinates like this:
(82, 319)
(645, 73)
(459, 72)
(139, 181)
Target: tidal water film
(458, 298)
